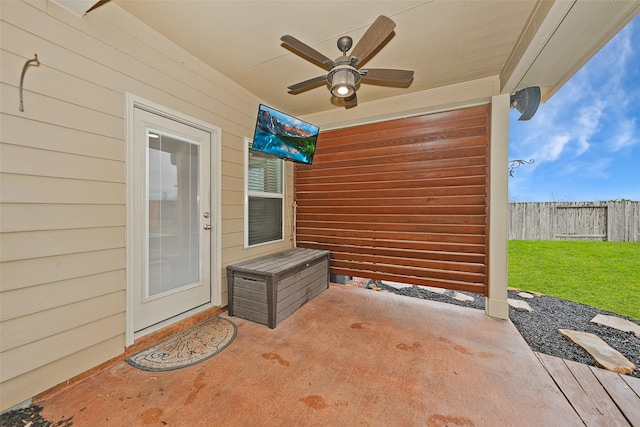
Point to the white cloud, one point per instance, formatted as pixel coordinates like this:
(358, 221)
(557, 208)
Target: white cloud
(588, 113)
(552, 150)
(626, 135)
(585, 139)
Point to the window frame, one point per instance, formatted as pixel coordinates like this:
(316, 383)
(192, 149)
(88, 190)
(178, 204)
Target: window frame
(252, 193)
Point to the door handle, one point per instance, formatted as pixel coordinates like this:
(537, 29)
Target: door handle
(207, 227)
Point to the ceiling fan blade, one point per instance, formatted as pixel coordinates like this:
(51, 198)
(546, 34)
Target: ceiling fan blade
(387, 75)
(351, 101)
(308, 84)
(307, 51)
(377, 33)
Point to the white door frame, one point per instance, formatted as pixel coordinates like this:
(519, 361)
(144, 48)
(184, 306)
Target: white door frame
(133, 101)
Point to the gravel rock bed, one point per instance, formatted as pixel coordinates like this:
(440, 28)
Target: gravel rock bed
(30, 417)
(540, 328)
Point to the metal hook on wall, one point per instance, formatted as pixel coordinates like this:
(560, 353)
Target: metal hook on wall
(33, 61)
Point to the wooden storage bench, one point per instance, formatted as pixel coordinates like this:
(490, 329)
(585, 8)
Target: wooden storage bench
(268, 289)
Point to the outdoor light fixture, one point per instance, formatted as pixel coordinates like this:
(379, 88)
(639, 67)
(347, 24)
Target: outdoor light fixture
(343, 80)
(526, 101)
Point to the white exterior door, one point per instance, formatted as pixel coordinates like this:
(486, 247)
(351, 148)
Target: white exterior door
(172, 218)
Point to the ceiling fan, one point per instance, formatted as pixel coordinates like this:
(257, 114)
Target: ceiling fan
(345, 73)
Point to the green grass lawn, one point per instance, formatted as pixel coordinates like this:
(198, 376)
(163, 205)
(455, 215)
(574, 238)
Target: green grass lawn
(605, 275)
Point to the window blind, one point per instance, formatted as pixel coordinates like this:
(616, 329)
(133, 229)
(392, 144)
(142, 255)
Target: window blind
(265, 198)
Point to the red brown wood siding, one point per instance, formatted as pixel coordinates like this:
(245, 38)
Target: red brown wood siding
(403, 200)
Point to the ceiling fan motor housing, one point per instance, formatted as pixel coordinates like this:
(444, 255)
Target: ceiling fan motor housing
(344, 44)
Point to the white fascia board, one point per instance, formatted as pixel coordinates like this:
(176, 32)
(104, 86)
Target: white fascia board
(77, 7)
(542, 31)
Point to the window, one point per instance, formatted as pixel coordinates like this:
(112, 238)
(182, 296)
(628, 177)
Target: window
(264, 201)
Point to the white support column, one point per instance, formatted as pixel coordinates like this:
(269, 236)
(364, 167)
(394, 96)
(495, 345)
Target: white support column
(496, 303)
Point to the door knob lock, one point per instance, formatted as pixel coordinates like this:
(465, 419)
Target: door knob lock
(207, 227)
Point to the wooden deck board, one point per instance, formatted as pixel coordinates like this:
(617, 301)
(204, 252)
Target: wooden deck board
(634, 383)
(598, 396)
(626, 399)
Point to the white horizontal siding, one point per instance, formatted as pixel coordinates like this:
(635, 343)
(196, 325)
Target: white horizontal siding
(40, 162)
(42, 189)
(60, 345)
(43, 108)
(62, 173)
(56, 372)
(45, 323)
(18, 130)
(39, 271)
(60, 85)
(33, 299)
(37, 244)
(35, 217)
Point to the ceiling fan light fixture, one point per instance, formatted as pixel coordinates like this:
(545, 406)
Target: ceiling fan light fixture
(343, 83)
(342, 90)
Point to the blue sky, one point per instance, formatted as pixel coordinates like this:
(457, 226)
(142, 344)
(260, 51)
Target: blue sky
(585, 140)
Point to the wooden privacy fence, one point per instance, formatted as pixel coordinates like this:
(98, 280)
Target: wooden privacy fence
(614, 221)
(403, 200)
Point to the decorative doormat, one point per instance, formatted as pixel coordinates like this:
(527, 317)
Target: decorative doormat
(193, 345)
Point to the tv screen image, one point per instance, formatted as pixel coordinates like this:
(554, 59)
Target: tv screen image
(284, 136)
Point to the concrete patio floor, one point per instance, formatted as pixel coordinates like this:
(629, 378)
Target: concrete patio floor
(349, 357)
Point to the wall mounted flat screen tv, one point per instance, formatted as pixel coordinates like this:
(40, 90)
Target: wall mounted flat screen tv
(284, 136)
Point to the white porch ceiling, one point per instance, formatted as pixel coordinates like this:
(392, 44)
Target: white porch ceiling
(523, 43)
